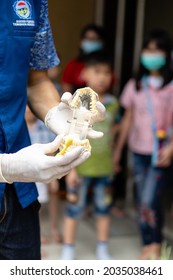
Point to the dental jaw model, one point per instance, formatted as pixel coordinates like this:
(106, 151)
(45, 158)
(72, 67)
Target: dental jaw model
(84, 114)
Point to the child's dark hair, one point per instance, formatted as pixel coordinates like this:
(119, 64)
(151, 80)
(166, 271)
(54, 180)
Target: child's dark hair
(163, 42)
(99, 57)
(96, 28)
(99, 30)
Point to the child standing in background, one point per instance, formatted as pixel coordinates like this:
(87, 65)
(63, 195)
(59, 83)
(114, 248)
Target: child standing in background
(97, 172)
(47, 192)
(92, 39)
(148, 122)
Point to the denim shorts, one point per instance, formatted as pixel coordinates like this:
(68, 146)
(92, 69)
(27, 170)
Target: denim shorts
(19, 229)
(102, 197)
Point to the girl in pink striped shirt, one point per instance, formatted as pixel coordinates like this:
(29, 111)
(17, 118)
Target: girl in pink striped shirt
(147, 124)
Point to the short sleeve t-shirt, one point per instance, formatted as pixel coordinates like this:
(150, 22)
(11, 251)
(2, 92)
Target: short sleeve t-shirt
(43, 53)
(141, 135)
(72, 73)
(100, 162)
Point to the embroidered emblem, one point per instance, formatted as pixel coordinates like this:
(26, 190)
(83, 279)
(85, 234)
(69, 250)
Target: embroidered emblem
(22, 9)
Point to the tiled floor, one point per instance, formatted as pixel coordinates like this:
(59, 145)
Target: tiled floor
(124, 239)
(125, 243)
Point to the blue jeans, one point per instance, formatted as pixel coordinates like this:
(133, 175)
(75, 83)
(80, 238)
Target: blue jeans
(150, 182)
(19, 229)
(101, 187)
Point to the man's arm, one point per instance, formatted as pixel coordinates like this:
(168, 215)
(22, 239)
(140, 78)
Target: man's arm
(42, 94)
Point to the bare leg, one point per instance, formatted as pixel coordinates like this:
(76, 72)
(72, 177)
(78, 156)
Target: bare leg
(103, 225)
(156, 251)
(70, 227)
(54, 211)
(151, 252)
(145, 253)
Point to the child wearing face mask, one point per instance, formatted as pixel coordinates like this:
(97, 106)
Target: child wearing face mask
(92, 39)
(147, 124)
(98, 171)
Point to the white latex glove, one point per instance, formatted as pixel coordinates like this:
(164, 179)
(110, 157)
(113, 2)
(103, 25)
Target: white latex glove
(34, 164)
(57, 117)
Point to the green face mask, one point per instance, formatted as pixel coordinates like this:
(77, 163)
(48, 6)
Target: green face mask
(153, 62)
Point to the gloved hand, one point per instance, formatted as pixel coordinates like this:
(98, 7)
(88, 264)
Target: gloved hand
(34, 164)
(57, 117)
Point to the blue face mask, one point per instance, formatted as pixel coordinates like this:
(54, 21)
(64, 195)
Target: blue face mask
(153, 62)
(89, 46)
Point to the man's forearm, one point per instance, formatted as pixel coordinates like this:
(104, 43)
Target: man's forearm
(42, 94)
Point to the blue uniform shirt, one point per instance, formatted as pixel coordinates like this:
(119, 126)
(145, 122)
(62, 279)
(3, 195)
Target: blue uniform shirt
(25, 43)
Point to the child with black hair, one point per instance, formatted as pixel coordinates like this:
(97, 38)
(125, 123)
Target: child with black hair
(92, 38)
(147, 123)
(98, 171)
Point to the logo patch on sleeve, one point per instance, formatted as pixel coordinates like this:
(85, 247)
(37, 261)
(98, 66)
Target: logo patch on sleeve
(23, 10)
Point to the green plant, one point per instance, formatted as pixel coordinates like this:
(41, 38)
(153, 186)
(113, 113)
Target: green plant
(166, 251)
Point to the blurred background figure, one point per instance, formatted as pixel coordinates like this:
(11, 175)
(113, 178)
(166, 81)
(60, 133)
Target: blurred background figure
(148, 125)
(48, 193)
(97, 172)
(92, 39)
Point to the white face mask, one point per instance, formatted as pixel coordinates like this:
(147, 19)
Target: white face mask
(89, 46)
(155, 82)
